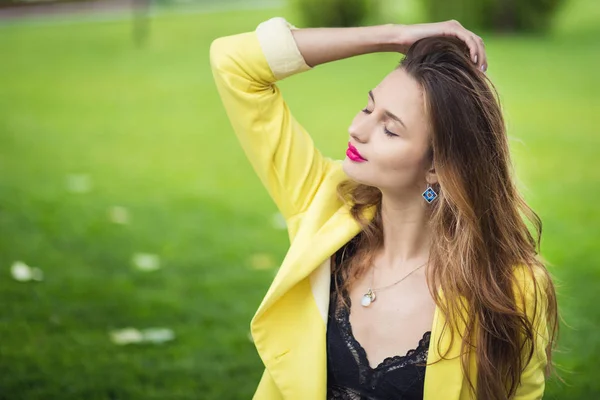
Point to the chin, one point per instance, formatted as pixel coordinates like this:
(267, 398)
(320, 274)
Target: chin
(347, 167)
(353, 171)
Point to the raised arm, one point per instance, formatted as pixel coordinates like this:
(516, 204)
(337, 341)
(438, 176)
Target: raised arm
(245, 68)
(322, 45)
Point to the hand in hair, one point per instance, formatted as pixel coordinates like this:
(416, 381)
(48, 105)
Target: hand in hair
(409, 34)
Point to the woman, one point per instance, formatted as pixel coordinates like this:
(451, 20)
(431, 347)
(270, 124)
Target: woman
(411, 250)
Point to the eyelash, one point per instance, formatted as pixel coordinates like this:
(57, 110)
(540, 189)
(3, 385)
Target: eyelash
(385, 130)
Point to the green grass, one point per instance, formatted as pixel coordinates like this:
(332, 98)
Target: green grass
(147, 126)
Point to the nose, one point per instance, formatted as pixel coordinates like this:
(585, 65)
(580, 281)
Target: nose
(360, 129)
(356, 137)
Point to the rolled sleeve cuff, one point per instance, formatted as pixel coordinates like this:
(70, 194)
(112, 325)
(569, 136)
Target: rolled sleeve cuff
(280, 49)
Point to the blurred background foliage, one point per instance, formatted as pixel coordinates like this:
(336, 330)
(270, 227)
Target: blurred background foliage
(496, 15)
(126, 201)
(480, 15)
(336, 13)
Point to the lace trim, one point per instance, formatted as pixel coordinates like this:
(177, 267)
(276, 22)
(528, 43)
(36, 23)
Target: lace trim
(409, 356)
(417, 355)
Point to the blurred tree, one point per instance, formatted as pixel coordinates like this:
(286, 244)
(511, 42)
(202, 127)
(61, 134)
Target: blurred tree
(495, 15)
(141, 21)
(340, 13)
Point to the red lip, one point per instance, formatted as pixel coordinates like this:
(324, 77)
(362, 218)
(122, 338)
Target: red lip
(353, 153)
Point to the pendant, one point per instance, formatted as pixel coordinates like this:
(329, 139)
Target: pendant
(368, 298)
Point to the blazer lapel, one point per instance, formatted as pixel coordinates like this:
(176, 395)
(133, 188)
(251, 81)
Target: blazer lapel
(309, 250)
(288, 330)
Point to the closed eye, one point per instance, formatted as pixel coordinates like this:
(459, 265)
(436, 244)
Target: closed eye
(385, 130)
(389, 133)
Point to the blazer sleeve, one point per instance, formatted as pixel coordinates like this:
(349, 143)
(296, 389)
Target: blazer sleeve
(245, 68)
(533, 377)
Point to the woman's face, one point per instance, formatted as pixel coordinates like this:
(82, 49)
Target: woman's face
(392, 135)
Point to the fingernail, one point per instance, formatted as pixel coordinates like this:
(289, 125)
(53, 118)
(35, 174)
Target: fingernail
(475, 60)
(483, 68)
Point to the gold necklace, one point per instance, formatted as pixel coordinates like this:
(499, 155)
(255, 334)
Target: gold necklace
(369, 297)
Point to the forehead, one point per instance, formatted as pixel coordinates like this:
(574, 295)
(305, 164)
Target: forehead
(400, 94)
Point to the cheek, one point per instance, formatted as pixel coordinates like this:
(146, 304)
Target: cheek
(401, 163)
(401, 156)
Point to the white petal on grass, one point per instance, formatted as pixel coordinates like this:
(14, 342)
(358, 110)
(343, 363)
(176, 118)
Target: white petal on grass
(278, 221)
(146, 261)
(126, 336)
(24, 273)
(118, 215)
(130, 335)
(262, 261)
(158, 335)
(20, 271)
(79, 183)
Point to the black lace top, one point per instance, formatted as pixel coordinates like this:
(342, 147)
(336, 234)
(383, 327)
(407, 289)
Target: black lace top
(349, 375)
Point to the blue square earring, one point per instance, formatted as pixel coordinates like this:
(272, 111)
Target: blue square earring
(429, 194)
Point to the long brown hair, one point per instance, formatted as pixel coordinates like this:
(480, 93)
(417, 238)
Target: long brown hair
(479, 224)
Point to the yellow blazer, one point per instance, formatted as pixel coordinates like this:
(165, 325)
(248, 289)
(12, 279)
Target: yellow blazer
(289, 327)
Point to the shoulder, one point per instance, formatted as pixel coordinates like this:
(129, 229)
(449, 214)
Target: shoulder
(531, 284)
(527, 277)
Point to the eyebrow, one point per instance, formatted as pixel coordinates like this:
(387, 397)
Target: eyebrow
(386, 112)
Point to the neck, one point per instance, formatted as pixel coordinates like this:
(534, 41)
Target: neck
(406, 238)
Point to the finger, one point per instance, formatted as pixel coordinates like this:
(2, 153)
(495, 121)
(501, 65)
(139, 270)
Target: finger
(482, 62)
(469, 40)
(473, 42)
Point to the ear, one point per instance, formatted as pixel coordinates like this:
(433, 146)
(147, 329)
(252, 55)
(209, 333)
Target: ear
(431, 176)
